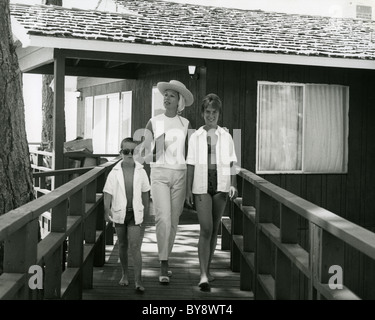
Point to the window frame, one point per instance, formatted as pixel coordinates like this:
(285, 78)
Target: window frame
(303, 170)
(90, 107)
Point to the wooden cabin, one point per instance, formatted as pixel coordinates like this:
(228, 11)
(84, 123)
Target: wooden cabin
(297, 91)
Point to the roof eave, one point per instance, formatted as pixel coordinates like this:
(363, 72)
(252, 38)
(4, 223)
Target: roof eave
(195, 53)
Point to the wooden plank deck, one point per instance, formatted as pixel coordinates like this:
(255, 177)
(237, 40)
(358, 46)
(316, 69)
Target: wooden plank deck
(183, 263)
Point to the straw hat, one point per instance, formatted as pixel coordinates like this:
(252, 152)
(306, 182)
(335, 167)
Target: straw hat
(179, 87)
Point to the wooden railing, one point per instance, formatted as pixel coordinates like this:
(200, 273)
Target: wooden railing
(262, 232)
(77, 219)
(78, 162)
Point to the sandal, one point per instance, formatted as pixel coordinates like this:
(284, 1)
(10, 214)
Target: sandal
(163, 279)
(139, 289)
(205, 286)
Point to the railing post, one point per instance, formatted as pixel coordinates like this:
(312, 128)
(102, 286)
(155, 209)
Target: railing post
(286, 274)
(329, 252)
(90, 236)
(99, 255)
(75, 247)
(248, 193)
(55, 263)
(263, 255)
(314, 258)
(20, 252)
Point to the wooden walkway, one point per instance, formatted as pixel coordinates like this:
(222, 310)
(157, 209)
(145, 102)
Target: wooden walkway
(183, 263)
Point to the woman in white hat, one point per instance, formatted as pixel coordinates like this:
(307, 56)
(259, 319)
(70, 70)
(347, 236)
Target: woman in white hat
(168, 132)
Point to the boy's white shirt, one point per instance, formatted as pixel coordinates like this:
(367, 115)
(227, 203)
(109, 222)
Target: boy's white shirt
(115, 186)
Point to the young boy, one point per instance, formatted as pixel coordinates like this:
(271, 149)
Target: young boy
(126, 198)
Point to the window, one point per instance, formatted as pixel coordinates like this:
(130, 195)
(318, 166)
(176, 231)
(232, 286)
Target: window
(364, 12)
(108, 121)
(302, 128)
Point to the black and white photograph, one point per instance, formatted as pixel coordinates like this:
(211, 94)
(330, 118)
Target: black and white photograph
(189, 158)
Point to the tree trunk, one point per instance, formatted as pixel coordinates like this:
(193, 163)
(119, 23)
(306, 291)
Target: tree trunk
(47, 110)
(16, 187)
(47, 99)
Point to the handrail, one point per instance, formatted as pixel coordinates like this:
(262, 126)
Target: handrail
(77, 218)
(262, 234)
(356, 236)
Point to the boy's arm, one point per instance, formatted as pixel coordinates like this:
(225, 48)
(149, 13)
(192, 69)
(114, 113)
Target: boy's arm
(107, 207)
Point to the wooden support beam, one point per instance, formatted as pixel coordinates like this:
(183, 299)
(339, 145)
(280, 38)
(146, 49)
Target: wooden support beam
(89, 72)
(126, 57)
(59, 116)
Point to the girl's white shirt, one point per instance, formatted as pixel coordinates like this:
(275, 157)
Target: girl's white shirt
(197, 156)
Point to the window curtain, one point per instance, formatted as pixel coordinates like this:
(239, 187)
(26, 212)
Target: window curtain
(326, 120)
(280, 127)
(126, 115)
(113, 123)
(89, 104)
(99, 131)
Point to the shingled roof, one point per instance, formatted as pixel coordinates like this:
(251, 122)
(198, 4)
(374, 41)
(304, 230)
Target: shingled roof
(196, 26)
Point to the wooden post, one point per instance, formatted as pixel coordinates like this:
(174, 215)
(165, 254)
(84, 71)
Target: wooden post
(55, 263)
(77, 208)
(100, 223)
(236, 229)
(248, 193)
(59, 217)
(75, 247)
(52, 282)
(288, 225)
(332, 255)
(58, 117)
(90, 236)
(286, 275)
(286, 278)
(20, 252)
(314, 257)
(263, 261)
(99, 255)
(326, 251)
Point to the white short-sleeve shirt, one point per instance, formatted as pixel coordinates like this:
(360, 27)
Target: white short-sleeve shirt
(115, 186)
(175, 130)
(197, 156)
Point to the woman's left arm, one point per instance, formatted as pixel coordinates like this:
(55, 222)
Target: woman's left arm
(233, 192)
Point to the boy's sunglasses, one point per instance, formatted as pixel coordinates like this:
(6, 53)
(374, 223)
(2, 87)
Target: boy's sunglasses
(127, 151)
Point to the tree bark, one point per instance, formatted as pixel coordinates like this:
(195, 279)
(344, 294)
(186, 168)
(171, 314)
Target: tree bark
(16, 187)
(48, 99)
(47, 110)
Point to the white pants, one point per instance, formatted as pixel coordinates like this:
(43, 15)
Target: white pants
(168, 189)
